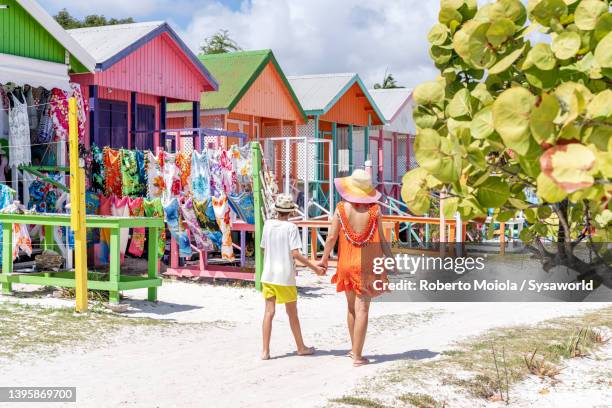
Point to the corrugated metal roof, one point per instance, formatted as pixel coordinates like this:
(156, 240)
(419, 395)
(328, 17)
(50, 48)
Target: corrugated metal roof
(316, 92)
(105, 42)
(390, 101)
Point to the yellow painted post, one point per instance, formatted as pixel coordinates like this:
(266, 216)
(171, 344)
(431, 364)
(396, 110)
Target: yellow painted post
(77, 209)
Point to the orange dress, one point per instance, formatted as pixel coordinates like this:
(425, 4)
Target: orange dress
(356, 253)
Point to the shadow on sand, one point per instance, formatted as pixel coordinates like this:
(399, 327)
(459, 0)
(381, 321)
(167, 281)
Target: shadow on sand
(158, 308)
(421, 354)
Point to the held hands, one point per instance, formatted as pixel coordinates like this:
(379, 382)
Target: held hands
(322, 265)
(319, 270)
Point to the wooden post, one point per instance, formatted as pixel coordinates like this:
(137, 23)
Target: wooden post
(258, 206)
(77, 209)
(502, 238)
(133, 120)
(94, 114)
(163, 114)
(195, 121)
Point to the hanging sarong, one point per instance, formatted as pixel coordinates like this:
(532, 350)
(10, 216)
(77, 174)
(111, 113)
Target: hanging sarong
(112, 172)
(202, 241)
(43, 196)
(241, 162)
(173, 219)
(92, 204)
(200, 175)
(223, 179)
(102, 252)
(120, 209)
(21, 240)
(132, 173)
(82, 109)
(172, 179)
(205, 214)
(244, 207)
(183, 163)
(155, 177)
(59, 113)
(96, 170)
(222, 214)
(154, 208)
(137, 244)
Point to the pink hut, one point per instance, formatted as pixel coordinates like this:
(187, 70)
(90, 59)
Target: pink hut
(140, 68)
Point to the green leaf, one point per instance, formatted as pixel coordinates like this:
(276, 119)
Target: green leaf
(544, 80)
(480, 54)
(506, 215)
(514, 10)
(506, 62)
(500, 31)
(530, 215)
(438, 34)
(447, 15)
(460, 104)
(587, 13)
(569, 166)
(511, 112)
(440, 55)
(600, 106)
(423, 119)
(541, 120)
(520, 204)
(541, 56)
(414, 191)
(603, 52)
(493, 193)
(476, 157)
(482, 124)
(603, 27)
(566, 45)
(548, 190)
(450, 207)
(428, 93)
(544, 212)
(481, 93)
(545, 10)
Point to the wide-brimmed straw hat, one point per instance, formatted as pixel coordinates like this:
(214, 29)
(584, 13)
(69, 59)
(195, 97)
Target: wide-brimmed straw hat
(357, 188)
(284, 203)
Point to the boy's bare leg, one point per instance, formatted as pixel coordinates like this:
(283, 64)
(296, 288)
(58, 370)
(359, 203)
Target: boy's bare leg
(350, 316)
(294, 322)
(267, 326)
(362, 309)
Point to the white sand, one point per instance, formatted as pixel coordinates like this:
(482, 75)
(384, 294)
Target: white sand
(218, 365)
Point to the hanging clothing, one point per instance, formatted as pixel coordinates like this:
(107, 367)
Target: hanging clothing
(201, 239)
(132, 173)
(241, 162)
(155, 177)
(200, 175)
(20, 151)
(96, 170)
(59, 113)
(21, 240)
(222, 214)
(102, 254)
(205, 213)
(4, 114)
(112, 172)
(222, 176)
(43, 196)
(172, 178)
(137, 245)
(356, 254)
(92, 204)
(183, 163)
(45, 124)
(120, 209)
(82, 109)
(173, 219)
(32, 111)
(7, 196)
(243, 205)
(154, 208)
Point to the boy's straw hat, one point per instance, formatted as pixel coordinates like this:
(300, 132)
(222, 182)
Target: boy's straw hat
(284, 203)
(357, 188)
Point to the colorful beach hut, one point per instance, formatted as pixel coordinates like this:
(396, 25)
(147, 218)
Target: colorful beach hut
(254, 98)
(391, 144)
(340, 109)
(139, 69)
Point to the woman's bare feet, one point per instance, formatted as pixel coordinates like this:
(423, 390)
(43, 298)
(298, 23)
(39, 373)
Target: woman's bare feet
(358, 362)
(265, 355)
(306, 351)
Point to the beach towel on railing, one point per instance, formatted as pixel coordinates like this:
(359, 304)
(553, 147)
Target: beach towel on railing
(120, 209)
(155, 176)
(183, 164)
(172, 179)
(243, 205)
(200, 175)
(175, 225)
(133, 173)
(112, 172)
(205, 214)
(201, 239)
(154, 208)
(241, 163)
(137, 244)
(222, 214)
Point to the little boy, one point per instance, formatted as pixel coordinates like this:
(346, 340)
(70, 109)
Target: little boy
(281, 244)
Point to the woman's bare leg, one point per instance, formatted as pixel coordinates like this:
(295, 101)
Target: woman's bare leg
(267, 326)
(350, 314)
(362, 310)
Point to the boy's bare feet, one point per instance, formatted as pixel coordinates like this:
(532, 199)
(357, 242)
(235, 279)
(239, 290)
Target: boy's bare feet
(306, 351)
(265, 355)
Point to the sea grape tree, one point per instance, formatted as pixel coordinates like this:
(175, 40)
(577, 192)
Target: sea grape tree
(509, 116)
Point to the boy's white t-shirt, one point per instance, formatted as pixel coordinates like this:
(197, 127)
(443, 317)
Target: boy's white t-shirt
(278, 239)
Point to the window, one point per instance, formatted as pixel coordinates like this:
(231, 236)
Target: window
(113, 121)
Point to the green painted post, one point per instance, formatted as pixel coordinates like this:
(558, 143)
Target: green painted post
(258, 204)
(115, 263)
(350, 147)
(153, 262)
(48, 242)
(7, 255)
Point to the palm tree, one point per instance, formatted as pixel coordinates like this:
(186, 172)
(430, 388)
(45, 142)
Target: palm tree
(388, 82)
(219, 43)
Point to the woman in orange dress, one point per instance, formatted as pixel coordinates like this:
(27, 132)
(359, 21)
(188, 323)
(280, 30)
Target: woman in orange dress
(357, 226)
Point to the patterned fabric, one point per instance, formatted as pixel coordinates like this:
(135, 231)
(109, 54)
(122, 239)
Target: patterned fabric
(154, 208)
(243, 205)
(45, 123)
(241, 162)
(32, 111)
(201, 239)
(173, 219)
(183, 163)
(82, 109)
(92, 204)
(19, 134)
(7, 196)
(172, 178)
(112, 172)
(223, 177)
(43, 196)
(133, 173)
(222, 214)
(102, 253)
(21, 240)
(4, 112)
(155, 177)
(96, 170)
(137, 244)
(59, 113)
(205, 214)
(200, 175)
(120, 209)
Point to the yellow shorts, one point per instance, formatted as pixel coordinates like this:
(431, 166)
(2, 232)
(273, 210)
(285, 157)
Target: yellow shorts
(283, 294)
